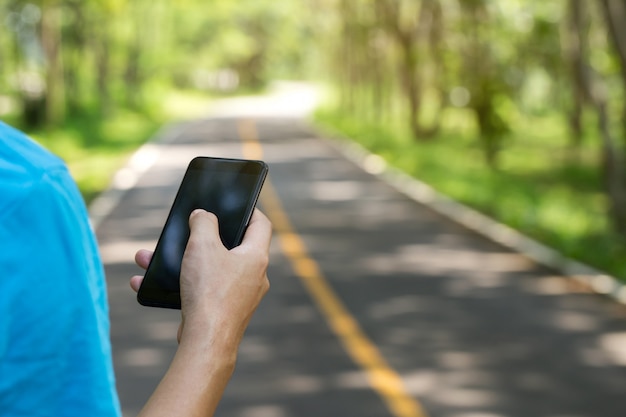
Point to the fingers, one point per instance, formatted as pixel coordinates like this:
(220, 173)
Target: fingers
(220, 289)
(143, 257)
(201, 221)
(204, 224)
(135, 282)
(259, 233)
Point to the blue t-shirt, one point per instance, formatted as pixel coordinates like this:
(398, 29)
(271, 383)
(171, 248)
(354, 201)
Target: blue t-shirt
(55, 351)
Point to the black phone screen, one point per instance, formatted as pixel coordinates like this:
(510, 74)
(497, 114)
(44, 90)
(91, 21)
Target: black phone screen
(229, 188)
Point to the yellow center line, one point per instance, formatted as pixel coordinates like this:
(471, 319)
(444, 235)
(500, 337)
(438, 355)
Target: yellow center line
(363, 352)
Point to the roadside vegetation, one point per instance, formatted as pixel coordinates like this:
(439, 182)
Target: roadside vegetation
(94, 79)
(560, 204)
(95, 147)
(515, 107)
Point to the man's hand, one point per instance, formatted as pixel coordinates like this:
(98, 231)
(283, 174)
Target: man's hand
(215, 282)
(220, 290)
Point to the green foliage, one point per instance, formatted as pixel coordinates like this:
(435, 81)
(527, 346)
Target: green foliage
(94, 147)
(93, 79)
(60, 57)
(516, 107)
(535, 190)
(504, 105)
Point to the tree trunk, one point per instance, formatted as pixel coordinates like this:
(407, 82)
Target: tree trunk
(407, 38)
(51, 41)
(612, 154)
(483, 83)
(575, 50)
(411, 84)
(103, 73)
(73, 57)
(614, 172)
(615, 16)
(132, 75)
(346, 58)
(432, 19)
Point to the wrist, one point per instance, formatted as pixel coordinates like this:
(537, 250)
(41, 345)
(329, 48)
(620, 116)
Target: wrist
(208, 358)
(201, 368)
(210, 339)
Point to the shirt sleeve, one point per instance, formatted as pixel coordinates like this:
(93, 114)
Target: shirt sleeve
(55, 353)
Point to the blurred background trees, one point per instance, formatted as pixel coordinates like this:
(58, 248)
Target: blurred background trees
(535, 89)
(528, 92)
(59, 57)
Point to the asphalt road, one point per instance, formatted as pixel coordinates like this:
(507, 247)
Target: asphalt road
(384, 308)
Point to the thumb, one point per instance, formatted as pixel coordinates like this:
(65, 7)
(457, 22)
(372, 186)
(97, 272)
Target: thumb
(203, 227)
(202, 218)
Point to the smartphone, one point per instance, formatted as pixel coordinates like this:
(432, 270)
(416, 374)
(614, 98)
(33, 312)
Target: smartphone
(229, 188)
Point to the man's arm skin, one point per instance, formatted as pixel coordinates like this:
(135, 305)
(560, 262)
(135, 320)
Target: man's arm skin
(220, 290)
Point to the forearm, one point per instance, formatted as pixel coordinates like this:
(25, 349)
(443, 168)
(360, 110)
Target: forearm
(195, 380)
(220, 290)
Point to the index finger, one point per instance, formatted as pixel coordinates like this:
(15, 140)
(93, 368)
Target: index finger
(259, 232)
(143, 257)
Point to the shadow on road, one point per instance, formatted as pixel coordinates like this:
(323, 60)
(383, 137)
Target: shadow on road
(473, 329)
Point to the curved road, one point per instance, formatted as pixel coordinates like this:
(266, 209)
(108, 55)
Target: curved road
(378, 306)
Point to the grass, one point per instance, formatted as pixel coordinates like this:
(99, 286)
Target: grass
(94, 147)
(538, 187)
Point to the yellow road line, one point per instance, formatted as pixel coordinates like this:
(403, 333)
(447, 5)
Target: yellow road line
(381, 376)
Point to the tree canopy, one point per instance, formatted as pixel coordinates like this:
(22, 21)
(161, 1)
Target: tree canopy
(493, 67)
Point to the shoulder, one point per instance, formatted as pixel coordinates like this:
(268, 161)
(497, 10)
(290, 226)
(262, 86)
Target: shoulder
(53, 285)
(20, 154)
(24, 164)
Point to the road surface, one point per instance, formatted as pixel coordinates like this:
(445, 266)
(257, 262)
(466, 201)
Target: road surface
(378, 306)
